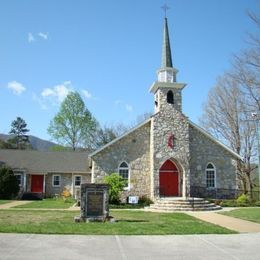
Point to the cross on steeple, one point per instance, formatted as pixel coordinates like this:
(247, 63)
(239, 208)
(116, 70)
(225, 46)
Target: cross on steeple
(165, 7)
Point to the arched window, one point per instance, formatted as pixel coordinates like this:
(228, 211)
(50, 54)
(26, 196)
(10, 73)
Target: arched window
(123, 171)
(210, 176)
(170, 97)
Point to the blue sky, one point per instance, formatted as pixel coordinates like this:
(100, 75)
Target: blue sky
(109, 51)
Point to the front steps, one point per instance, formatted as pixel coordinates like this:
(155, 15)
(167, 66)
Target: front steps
(182, 204)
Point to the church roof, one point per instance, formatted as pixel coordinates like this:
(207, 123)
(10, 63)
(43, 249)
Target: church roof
(166, 50)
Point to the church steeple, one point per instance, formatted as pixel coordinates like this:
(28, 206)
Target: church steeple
(166, 90)
(166, 50)
(167, 73)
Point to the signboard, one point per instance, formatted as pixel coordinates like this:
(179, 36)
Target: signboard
(133, 199)
(95, 203)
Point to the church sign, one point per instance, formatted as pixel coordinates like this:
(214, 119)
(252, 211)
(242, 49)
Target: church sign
(94, 201)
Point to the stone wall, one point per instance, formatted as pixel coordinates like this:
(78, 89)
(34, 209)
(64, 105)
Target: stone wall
(170, 121)
(134, 149)
(161, 94)
(67, 181)
(203, 151)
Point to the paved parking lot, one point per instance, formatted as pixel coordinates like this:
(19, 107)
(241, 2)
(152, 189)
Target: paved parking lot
(30, 246)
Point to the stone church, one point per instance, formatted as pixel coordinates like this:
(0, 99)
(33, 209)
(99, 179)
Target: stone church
(168, 155)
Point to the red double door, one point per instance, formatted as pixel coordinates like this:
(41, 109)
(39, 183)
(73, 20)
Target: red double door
(169, 179)
(37, 183)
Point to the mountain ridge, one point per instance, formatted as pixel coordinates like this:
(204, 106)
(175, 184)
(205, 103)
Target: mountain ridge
(36, 142)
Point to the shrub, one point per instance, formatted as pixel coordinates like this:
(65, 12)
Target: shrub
(116, 185)
(145, 201)
(66, 193)
(228, 203)
(257, 203)
(243, 200)
(9, 186)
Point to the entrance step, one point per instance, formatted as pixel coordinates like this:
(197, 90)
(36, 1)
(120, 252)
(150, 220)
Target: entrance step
(32, 196)
(182, 204)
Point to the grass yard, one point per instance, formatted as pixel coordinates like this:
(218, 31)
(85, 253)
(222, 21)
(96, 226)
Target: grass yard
(51, 203)
(251, 214)
(129, 223)
(5, 201)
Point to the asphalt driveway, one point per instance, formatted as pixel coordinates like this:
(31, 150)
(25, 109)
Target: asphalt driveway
(30, 246)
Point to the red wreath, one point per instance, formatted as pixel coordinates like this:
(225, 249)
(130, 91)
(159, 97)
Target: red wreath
(171, 141)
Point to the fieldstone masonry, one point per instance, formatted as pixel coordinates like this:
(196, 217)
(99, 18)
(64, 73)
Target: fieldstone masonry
(170, 121)
(133, 149)
(146, 148)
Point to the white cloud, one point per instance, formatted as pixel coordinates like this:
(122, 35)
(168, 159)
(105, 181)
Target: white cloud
(58, 92)
(87, 94)
(47, 92)
(40, 102)
(16, 87)
(31, 38)
(43, 35)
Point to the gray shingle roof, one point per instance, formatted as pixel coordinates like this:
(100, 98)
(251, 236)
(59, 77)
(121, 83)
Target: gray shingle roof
(43, 162)
(166, 50)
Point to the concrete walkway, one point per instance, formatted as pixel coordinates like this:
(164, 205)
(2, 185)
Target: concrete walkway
(13, 204)
(236, 224)
(188, 247)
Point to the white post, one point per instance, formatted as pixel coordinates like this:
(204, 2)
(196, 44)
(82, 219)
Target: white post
(24, 181)
(72, 185)
(44, 176)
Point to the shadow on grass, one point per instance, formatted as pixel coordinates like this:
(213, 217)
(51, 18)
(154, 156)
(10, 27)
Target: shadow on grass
(132, 220)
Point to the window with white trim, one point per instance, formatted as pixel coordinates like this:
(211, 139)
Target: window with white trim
(123, 171)
(77, 180)
(210, 176)
(19, 178)
(56, 180)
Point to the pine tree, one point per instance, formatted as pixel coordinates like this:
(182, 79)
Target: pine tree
(19, 131)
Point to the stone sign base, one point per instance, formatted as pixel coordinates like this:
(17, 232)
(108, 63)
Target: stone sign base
(94, 202)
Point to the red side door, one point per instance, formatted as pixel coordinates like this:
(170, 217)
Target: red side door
(37, 183)
(169, 179)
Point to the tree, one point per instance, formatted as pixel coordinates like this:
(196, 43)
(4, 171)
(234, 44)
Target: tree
(226, 117)
(116, 185)
(107, 134)
(228, 111)
(59, 148)
(5, 145)
(9, 187)
(73, 125)
(19, 130)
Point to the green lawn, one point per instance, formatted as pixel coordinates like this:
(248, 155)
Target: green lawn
(129, 223)
(251, 214)
(51, 203)
(5, 201)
